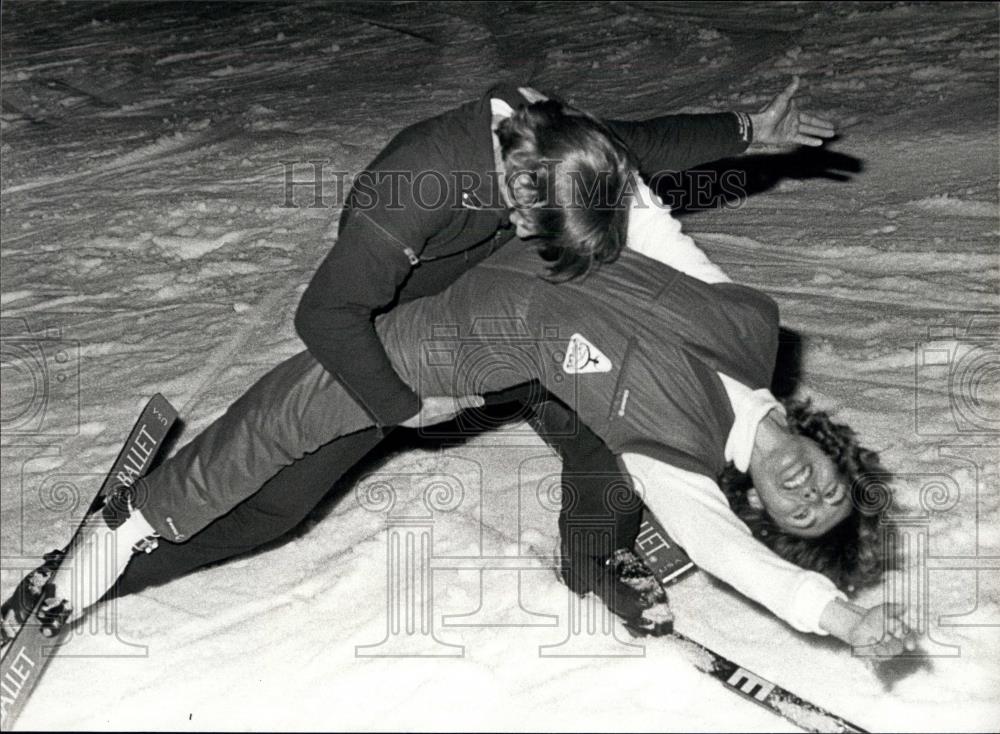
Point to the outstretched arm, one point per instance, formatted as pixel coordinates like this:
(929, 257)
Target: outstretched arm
(679, 142)
(780, 123)
(695, 513)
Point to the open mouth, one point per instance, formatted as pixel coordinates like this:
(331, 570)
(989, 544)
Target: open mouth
(798, 478)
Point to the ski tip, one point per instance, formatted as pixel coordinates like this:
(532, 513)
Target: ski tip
(160, 404)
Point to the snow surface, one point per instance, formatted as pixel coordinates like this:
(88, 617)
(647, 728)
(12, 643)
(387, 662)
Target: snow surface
(146, 247)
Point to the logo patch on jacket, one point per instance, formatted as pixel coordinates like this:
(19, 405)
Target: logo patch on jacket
(582, 357)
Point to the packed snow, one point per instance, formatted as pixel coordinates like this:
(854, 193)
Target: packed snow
(148, 246)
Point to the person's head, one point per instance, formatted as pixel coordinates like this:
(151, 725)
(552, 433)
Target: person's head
(814, 496)
(567, 181)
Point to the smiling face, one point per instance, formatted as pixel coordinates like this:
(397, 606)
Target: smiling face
(798, 485)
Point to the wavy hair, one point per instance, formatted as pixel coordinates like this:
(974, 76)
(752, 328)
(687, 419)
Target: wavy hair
(850, 554)
(570, 176)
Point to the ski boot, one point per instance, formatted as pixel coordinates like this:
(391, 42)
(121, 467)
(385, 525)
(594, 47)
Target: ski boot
(14, 612)
(93, 562)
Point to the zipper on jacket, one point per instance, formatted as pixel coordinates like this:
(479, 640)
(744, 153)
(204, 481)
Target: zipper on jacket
(411, 256)
(620, 394)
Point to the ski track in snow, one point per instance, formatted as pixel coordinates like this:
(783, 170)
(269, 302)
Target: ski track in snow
(144, 235)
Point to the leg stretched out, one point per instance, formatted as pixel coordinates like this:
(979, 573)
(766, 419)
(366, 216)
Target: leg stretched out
(280, 505)
(288, 497)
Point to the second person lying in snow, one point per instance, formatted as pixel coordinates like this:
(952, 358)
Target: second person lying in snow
(661, 355)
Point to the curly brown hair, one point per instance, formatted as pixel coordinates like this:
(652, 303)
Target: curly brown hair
(570, 176)
(850, 554)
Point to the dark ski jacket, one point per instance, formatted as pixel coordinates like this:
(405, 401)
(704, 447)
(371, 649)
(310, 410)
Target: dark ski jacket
(662, 337)
(401, 237)
(655, 341)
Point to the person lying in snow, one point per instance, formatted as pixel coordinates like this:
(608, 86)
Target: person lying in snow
(392, 248)
(661, 355)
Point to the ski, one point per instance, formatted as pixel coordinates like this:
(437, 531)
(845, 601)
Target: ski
(29, 651)
(668, 562)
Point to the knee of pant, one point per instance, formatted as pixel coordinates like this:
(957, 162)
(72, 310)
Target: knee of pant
(263, 522)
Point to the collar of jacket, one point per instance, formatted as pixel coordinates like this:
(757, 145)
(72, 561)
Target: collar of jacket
(485, 196)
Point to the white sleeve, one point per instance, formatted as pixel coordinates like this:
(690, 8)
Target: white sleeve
(695, 513)
(653, 232)
(749, 409)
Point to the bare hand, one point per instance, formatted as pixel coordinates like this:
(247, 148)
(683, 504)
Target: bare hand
(439, 409)
(780, 122)
(881, 631)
